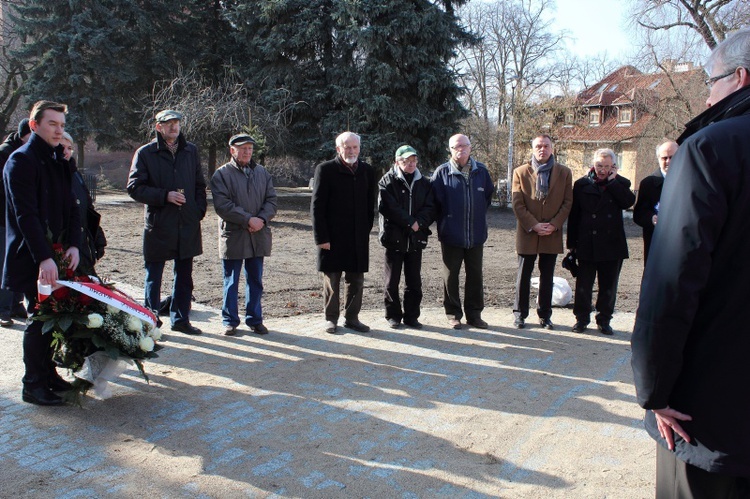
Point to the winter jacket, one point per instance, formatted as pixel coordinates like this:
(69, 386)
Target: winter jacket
(343, 212)
(237, 198)
(10, 144)
(691, 339)
(39, 201)
(400, 205)
(595, 227)
(530, 211)
(171, 231)
(462, 205)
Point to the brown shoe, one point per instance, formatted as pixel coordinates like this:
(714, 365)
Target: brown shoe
(230, 330)
(259, 328)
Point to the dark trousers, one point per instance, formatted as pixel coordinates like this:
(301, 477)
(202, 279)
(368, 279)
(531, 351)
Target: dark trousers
(676, 479)
(37, 350)
(523, 284)
(182, 289)
(412, 265)
(355, 282)
(471, 258)
(608, 274)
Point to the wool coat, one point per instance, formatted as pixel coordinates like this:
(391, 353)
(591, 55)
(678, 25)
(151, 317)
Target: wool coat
(343, 213)
(691, 339)
(595, 227)
(170, 231)
(530, 211)
(38, 188)
(649, 194)
(237, 198)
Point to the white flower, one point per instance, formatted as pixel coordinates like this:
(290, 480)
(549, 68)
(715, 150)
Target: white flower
(112, 310)
(134, 324)
(95, 321)
(155, 333)
(146, 343)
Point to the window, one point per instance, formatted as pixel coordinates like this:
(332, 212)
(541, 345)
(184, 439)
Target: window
(595, 117)
(570, 118)
(626, 115)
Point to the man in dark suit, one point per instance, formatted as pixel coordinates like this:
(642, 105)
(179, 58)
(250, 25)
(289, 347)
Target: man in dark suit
(343, 211)
(597, 237)
(39, 199)
(646, 210)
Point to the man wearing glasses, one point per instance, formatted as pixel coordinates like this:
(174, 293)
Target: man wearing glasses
(596, 235)
(690, 340)
(463, 192)
(646, 210)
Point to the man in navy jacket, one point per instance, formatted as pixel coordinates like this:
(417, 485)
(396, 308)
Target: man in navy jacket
(463, 191)
(39, 199)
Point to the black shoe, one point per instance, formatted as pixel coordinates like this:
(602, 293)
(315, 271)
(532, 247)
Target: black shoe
(259, 328)
(579, 326)
(57, 384)
(546, 324)
(519, 322)
(186, 327)
(606, 329)
(40, 396)
(414, 324)
(6, 321)
(477, 323)
(394, 323)
(357, 326)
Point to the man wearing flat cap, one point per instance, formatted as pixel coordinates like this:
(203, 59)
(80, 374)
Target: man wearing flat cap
(407, 208)
(245, 201)
(166, 176)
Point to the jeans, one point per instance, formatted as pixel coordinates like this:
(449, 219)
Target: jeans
(253, 291)
(182, 290)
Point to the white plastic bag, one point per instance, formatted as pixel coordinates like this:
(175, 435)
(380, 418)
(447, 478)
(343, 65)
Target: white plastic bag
(561, 292)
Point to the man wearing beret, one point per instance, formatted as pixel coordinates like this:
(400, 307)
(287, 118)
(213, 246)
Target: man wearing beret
(166, 176)
(245, 201)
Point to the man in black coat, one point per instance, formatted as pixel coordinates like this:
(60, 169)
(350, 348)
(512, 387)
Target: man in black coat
(407, 208)
(597, 237)
(166, 176)
(38, 189)
(691, 338)
(646, 210)
(11, 304)
(343, 212)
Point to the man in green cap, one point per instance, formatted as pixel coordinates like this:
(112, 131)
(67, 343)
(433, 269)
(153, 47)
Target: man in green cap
(406, 206)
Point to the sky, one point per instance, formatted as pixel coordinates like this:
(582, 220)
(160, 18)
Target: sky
(595, 25)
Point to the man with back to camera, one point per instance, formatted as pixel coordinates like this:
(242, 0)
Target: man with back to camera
(645, 212)
(542, 196)
(11, 304)
(596, 234)
(343, 212)
(245, 201)
(39, 200)
(407, 208)
(166, 176)
(690, 341)
(463, 192)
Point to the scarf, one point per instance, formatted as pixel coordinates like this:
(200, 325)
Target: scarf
(542, 176)
(595, 180)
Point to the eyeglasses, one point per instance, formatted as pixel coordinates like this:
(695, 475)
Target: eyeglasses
(460, 146)
(710, 81)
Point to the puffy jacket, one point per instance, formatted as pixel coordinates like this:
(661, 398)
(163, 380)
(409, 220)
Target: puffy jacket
(400, 205)
(462, 205)
(171, 231)
(237, 198)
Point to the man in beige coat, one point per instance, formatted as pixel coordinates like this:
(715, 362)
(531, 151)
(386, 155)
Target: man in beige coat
(542, 198)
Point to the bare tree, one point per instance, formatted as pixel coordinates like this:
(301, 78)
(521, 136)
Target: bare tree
(12, 70)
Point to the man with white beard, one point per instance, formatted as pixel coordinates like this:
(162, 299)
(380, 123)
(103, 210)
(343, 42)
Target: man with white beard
(343, 212)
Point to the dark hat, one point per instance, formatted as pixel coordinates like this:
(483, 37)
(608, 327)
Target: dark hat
(241, 138)
(168, 114)
(23, 127)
